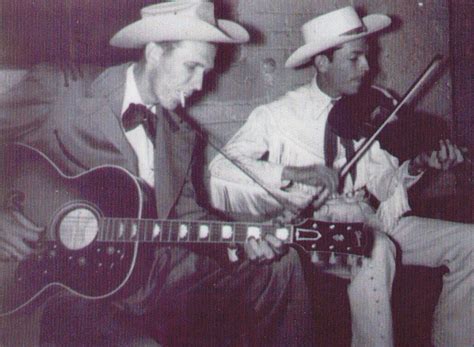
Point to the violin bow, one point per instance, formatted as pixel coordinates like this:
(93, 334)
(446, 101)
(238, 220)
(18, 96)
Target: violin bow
(407, 98)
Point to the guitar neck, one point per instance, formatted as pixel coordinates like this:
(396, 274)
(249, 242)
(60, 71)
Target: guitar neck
(175, 231)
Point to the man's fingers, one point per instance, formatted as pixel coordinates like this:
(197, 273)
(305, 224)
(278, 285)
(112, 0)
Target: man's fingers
(267, 251)
(8, 251)
(331, 179)
(321, 199)
(459, 155)
(255, 252)
(249, 251)
(275, 243)
(16, 244)
(442, 153)
(20, 218)
(451, 148)
(434, 162)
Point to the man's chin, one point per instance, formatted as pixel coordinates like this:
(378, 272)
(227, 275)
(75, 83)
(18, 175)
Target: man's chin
(354, 89)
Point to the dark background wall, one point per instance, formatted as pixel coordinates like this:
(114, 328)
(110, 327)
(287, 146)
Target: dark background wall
(462, 48)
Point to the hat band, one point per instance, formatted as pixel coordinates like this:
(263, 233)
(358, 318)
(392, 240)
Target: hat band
(359, 30)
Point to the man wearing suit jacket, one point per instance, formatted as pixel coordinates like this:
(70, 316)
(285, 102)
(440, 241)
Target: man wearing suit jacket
(188, 298)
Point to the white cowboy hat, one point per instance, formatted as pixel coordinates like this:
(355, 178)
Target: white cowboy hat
(179, 20)
(333, 29)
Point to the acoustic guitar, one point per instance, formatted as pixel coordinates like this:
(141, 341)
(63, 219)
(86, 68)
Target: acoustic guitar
(100, 224)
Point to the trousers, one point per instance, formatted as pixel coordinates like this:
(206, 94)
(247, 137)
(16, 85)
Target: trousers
(423, 242)
(190, 299)
(433, 243)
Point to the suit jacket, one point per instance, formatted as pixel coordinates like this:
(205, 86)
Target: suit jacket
(79, 127)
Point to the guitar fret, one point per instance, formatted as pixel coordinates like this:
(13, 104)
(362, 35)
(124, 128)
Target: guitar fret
(149, 230)
(101, 227)
(174, 231)
(165, 231)
(113, 231)
(241, 233)
(193, 232)
(215, 233)
(107, 229)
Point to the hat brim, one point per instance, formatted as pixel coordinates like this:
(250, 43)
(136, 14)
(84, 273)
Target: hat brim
(373, 23)
(149, 29)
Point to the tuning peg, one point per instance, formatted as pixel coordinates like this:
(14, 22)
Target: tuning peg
(315, 257)
(332, 259)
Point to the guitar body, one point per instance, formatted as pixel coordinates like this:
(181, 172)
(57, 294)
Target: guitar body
(69, 254)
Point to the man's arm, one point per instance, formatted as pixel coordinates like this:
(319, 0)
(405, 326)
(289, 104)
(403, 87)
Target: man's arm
(232, 190)
(22, 110)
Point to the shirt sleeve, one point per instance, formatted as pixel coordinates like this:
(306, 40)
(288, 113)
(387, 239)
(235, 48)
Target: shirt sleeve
(231, 187)
(385, 174)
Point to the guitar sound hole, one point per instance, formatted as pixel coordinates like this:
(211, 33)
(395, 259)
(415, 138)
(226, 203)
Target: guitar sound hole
(78, 228)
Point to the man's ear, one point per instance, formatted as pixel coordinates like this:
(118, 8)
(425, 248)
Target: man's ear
(153, 52)
(321, 62)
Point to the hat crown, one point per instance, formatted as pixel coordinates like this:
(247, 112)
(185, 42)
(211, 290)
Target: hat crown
(333, 24)
(202, 10)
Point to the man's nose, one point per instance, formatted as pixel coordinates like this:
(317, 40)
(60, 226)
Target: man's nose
(364, 64)
(198, 81)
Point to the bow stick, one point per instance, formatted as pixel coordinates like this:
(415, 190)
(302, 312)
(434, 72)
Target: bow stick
(409, 96)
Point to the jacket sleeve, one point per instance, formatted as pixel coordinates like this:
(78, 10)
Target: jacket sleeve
(23, 109)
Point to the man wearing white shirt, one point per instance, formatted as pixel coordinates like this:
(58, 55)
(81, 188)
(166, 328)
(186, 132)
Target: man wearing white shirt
(293, 133)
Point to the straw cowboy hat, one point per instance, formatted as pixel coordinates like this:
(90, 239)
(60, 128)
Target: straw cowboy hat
(333, 29)
(179, 20)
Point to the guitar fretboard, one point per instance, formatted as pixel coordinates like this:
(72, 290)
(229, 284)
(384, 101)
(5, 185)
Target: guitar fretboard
(149, 230)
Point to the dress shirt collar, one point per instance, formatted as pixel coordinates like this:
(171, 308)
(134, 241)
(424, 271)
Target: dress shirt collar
(132, 95)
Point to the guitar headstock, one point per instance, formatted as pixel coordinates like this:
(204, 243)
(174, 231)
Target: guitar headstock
(345, 238)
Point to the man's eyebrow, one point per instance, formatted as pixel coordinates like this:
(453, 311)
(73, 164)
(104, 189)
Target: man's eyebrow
(359, 51)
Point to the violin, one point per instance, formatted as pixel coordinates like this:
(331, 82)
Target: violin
(360, 115)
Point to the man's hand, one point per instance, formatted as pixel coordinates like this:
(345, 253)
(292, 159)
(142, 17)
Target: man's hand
(313, 175)
(15, 229)
(264, 250)
(448, 156)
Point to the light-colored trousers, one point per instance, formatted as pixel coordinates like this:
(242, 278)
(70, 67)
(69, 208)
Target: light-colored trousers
(425, 242)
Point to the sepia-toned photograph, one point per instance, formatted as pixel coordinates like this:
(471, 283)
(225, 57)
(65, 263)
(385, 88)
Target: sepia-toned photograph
(236, 173)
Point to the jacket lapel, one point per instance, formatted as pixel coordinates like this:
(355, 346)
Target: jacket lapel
(174, 145)
(110, 87)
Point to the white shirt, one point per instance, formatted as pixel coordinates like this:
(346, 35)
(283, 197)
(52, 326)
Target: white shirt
(291, 129)
(137, 137)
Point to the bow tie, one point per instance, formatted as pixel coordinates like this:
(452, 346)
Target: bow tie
(138, 114)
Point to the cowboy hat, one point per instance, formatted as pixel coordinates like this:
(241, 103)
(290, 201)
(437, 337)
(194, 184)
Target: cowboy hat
(333, 29)
(179, 20)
